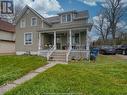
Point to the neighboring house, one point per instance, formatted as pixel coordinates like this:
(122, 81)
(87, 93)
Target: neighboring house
(7, 38)
(59, 38)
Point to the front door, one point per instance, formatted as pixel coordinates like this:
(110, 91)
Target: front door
(61, 40)
(58, 42)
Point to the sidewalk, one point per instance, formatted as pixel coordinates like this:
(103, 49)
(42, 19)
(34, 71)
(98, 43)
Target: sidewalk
(27, 77)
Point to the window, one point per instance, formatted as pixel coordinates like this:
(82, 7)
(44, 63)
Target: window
(27, 38)
(22, 23)
(75, 15)
(33, 21)
(75, 38)
(63, 18)
(66, 18)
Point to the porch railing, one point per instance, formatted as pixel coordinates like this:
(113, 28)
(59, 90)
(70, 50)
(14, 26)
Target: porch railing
(50, 52)
(47, 47)
(79, 47)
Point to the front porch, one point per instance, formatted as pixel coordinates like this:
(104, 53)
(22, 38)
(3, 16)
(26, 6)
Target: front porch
(64, 44)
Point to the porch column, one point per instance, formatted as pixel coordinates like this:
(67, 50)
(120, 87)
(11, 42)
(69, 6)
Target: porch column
(39, 44)
(55, 39)
(70, 39)
(87, 45)
(87, 40)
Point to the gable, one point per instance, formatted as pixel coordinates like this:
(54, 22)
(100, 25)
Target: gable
(25, 9)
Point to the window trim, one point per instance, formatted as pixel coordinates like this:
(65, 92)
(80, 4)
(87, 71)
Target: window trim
(70, 18)
(32, 20)
(21, 24)
(31, 38)
(66, 18)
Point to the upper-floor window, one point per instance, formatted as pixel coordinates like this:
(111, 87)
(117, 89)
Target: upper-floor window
(75, 15)
(22, 23)
(33, 21)
(66, 18)
(63, 18)
(28, 38)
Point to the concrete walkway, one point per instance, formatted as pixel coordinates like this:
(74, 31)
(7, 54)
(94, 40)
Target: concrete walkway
(27, 77)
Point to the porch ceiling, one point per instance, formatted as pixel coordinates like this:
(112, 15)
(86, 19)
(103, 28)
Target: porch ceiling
(64, 31)
(61, 29)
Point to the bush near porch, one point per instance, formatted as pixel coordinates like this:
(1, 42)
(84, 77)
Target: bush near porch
(107, 77)
(13, 67)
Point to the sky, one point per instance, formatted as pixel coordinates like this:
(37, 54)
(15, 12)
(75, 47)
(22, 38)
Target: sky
(49, 8)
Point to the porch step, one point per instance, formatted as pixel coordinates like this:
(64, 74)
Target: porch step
(63, 60)
(58, 55)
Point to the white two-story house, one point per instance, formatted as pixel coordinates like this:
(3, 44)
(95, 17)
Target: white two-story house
(59, 38)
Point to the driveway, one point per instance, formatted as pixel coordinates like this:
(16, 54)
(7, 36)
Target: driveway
(122, 56)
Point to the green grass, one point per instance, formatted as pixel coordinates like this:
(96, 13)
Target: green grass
(107, 77)
(13, 67)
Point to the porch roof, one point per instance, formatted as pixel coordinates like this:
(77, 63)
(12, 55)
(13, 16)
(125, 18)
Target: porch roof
(65, 28)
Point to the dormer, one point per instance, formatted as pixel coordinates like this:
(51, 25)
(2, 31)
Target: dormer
(67, 17)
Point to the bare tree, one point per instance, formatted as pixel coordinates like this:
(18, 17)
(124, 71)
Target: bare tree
(17, 9)
(114, 11)
(102, 26)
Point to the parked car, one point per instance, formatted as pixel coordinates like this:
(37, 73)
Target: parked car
(107, 49)
(122, 50)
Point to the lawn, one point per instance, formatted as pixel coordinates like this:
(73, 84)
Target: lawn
(13, 67)
(107, 77)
